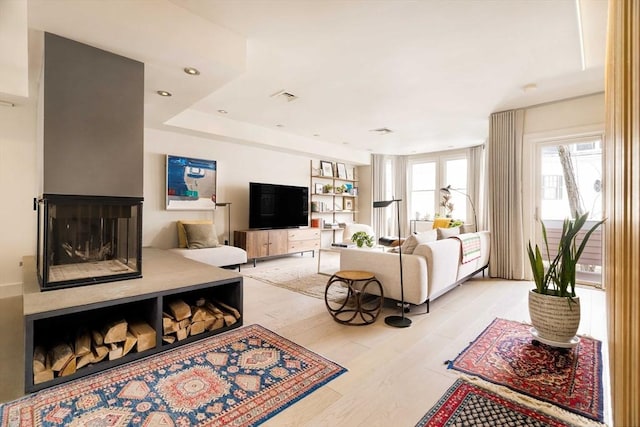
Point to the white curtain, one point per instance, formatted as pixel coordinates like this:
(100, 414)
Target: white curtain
(387, 187)
(477, 184)
(507, 259)
(378, 175)
(400, 192)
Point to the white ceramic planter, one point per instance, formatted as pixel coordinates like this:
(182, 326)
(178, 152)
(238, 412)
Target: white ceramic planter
(555, 319)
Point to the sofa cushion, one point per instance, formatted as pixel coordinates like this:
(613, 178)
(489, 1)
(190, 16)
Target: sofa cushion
(201, 236)
(182, 234)
(444, 233)
(410, 243)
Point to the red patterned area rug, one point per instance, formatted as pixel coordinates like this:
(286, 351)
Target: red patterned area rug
(504, 354)
(466, 404)
(239, 378)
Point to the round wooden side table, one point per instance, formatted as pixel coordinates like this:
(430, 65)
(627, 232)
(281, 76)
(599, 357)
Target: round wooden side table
(363, 300)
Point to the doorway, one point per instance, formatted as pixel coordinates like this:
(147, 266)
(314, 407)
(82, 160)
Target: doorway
(569, 180)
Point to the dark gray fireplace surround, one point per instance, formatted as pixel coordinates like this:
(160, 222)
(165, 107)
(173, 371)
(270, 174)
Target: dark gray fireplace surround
(93, 148)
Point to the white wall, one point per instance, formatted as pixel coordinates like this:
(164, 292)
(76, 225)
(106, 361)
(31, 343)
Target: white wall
(19, 185)
(237, 166)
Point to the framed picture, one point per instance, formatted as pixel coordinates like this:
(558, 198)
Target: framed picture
(342, 170)
(191, 183)
(348, 204)
(317, 189)
(326, 168)
(350, 173)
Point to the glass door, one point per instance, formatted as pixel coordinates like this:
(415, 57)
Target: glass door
(569, 181)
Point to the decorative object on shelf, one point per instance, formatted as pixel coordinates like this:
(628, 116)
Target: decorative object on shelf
(340, 189)
(327, 188)
(446, 203)
(317, 188)
(351, 174)
(326, 168)
(396, 321)
(342, 170)
(447, 191)
(348, 204)
(361, 238)
(228, 206)
(354, 191)
(555, 285)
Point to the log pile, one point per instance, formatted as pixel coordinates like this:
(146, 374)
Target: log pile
(110, 341)
(114, 339)
(181, 320)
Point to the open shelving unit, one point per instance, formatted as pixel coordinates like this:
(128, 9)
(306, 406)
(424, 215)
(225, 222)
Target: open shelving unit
(55, 314)
(332, 207)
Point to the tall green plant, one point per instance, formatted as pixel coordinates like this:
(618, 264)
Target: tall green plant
(559, 278)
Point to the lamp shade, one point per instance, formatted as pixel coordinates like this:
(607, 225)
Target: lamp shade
(384, 203)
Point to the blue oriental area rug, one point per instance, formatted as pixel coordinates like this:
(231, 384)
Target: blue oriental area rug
(240, 378)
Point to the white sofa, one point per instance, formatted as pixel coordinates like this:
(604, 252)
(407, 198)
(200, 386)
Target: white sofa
(431, 270)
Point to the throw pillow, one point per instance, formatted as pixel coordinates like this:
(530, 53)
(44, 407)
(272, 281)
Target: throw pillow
(201, 236)
(182, 235)
(409, 245)
(444, 233)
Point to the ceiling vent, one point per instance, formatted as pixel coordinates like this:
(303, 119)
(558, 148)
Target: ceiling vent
(284, 95)
(381, 131)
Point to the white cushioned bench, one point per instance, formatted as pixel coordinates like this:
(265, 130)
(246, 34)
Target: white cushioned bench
(220, 256)
(197, 240)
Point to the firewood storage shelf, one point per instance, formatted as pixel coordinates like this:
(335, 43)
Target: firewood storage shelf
(166, 276)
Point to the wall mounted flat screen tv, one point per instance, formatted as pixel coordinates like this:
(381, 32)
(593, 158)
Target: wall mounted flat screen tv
(278, 206)
(191, 183)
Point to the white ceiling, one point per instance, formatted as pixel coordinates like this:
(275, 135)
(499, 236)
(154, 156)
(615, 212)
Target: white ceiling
(432, 71)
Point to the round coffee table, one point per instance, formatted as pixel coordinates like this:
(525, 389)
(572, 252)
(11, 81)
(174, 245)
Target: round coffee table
(363, 299)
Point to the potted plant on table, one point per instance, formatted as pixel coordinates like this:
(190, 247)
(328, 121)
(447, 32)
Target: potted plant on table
(554, 306)
(361, 238)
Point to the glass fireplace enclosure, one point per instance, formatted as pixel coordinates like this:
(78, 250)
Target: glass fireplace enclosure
(85, 240)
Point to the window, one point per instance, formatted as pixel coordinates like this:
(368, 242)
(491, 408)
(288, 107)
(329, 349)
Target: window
(552, 187)
(423, 190)
(428, 175)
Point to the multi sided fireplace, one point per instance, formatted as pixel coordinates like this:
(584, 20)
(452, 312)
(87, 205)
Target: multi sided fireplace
(85, 240)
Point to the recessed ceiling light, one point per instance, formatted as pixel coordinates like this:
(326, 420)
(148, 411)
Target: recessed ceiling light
(191, 71)
(223, 111)
(163, 93)
(279, 125)
(345, 143)
(316, 134)
(529, 87)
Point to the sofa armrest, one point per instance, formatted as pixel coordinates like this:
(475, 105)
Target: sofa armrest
(442, 258)
(386, 267)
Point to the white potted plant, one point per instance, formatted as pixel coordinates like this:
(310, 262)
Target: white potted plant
(554, 306)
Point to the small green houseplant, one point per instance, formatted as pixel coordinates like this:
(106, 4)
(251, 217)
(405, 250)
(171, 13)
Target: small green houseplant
(361, 238)
(553, 305)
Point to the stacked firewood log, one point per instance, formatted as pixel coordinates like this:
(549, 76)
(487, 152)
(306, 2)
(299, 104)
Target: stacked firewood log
(181, 320)
(111, 341)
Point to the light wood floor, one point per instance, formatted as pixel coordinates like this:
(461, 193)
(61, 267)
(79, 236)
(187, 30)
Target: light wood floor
(394, 375)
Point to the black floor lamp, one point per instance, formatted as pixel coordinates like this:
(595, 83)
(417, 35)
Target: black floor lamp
(396, 321)
(447, 190)
(228, 205)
